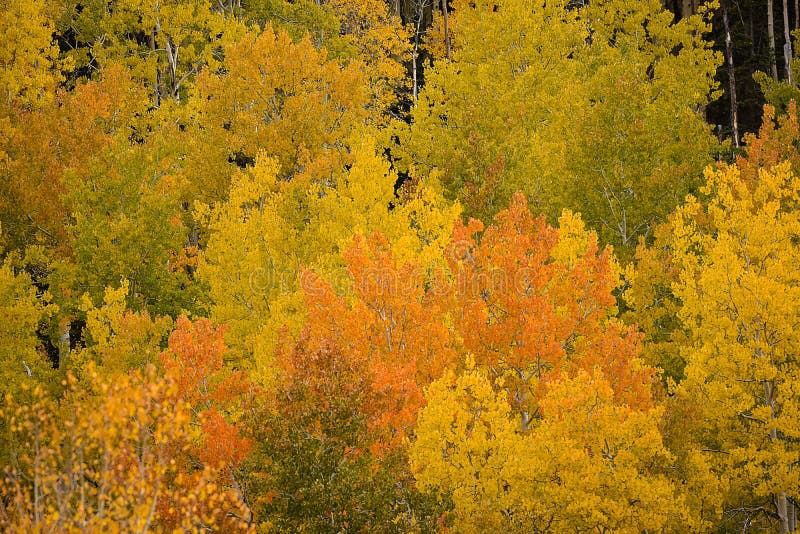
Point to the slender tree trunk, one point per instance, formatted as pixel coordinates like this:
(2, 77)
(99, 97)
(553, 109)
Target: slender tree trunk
(157, 83)
(783, 514)
(447, 28)
(415, 51)
(781, 502)
(194, 241)
(771, 39)
(63, 345)
(525, 417)
(154, 50)
(521, 397)
(731, 76)
(414, 70)
(172, 63)
(787, 46)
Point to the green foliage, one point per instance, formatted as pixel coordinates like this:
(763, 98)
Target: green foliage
(595, 109)
(302, 18)
(127, 224)
(23, 313)
(164, 44)
(313, 470)
(778, 93)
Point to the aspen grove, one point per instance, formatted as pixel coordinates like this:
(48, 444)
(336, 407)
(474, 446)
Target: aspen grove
(409, 266)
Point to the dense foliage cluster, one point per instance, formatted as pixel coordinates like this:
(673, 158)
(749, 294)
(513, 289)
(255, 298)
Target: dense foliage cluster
(413, 266)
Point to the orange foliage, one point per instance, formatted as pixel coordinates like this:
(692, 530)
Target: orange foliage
(529, 316)
(517, 299)
(195, 359)
(223, 445)
(776, 142)
(46, 148)
(392, 338)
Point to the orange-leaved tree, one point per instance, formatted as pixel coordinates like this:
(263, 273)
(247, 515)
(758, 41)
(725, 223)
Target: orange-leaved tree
(348, 391)
(531, 301)
(551, 426)
(393, 326)
(218, 396)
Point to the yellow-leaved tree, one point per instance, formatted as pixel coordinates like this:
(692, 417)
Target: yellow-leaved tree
(22, 311)
(116, 339)
(29, 62)
(270, 227)
(588, 463)
(650, 296)
(369, 31)
(275, 96)
(738, 257)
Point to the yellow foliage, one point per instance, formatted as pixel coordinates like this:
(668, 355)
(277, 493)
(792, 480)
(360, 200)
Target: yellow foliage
(270, 228)
(116, 338)
(274, 98)
(29, 62)
(380, 40)
(110, 460)
(739, 285)
(23, 363)
(586, 464)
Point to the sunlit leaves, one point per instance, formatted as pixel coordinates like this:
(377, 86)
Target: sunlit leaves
(29, 63)
(217, 394)
(530, 304)
(738, 285)
(110, 459)
(592, 108)
(587, 463)
(23, 363)
(269, 228)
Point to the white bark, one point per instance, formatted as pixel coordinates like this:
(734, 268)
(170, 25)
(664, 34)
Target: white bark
(771, 38)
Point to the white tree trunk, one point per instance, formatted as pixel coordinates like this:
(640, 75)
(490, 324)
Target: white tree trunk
(771, 39)
(787, 47)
